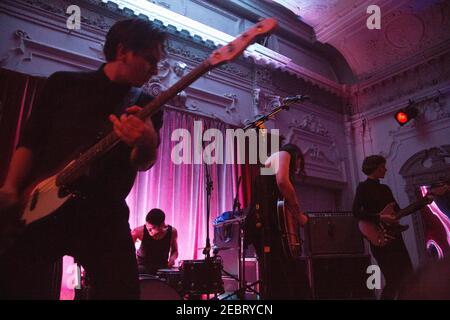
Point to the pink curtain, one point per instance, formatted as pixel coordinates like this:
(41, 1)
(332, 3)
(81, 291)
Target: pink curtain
(180, 190)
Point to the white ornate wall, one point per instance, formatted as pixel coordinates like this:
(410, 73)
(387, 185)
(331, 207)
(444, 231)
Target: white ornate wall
(339, 125)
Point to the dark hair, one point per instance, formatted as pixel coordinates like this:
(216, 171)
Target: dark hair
(155, 217)
(134, 34)
(295, 153)
(371, 163)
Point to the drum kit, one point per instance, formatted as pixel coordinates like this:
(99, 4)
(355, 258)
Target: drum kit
(193, 279)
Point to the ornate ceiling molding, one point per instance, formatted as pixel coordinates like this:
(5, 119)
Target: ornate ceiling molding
(258, 53)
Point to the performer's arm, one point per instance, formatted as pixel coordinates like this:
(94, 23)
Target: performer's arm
(285, 186)
(139, 134)
(137, 233)
(19, 170)
(173, 248)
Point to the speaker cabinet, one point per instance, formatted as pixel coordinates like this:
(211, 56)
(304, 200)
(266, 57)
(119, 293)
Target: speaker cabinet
(340, 277)
(332, 233)
(226, 242)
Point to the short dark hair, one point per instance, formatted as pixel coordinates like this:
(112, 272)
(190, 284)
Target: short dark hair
(135, 34)
(371, 163)
(155, 217)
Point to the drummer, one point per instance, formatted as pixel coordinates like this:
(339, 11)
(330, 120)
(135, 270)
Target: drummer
(159, 246)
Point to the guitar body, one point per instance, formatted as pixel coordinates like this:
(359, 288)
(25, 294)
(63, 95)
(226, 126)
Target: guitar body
(380, 234)
(44, 199)
(38, 201)
(290, 231)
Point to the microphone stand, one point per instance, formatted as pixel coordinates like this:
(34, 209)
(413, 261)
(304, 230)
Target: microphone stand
(209, 188)
(241, 255)
(207, 249)
(259, 121)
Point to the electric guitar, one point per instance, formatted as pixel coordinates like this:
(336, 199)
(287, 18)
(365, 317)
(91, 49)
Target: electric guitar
(383, 233)
(289, 225)
(44, 197)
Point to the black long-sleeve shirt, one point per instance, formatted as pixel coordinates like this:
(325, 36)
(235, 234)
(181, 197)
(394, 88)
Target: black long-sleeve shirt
(371, 197)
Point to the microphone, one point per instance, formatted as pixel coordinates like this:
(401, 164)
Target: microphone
(297, 98)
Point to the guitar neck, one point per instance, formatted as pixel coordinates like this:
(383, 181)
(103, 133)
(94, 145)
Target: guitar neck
(77, 168)
(413, 207)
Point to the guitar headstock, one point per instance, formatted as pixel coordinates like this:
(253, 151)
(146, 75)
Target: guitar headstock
(233, 49)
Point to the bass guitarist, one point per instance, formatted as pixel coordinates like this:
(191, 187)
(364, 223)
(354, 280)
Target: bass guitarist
(72, 111)
(374, 202)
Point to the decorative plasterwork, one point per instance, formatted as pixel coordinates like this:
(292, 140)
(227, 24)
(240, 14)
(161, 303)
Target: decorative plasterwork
(333, 18)
(433, 73)
(411, 33)
(312, 124)
(187, 28)
(191, 98)
(431, 161)
(321, 153)
(27, 47)
(258, 53)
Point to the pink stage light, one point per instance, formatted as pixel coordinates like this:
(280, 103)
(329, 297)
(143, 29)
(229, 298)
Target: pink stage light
(443, 219)
(432, 243)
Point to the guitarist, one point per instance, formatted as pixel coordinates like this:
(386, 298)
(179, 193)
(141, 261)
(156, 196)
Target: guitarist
(282, 278)
(375, 202)
(74, 110)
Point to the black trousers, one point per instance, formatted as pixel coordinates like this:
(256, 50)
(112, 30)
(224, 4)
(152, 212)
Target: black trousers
(98, 238)
(393, 260)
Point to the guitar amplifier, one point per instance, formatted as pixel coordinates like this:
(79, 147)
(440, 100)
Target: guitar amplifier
(332, 233)
(340, 277)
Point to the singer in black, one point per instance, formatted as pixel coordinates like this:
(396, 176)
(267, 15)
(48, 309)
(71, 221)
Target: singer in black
(375, 202)
(159, 246)
(283, 278)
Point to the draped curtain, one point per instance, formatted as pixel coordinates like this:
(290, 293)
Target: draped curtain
(180, 189)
